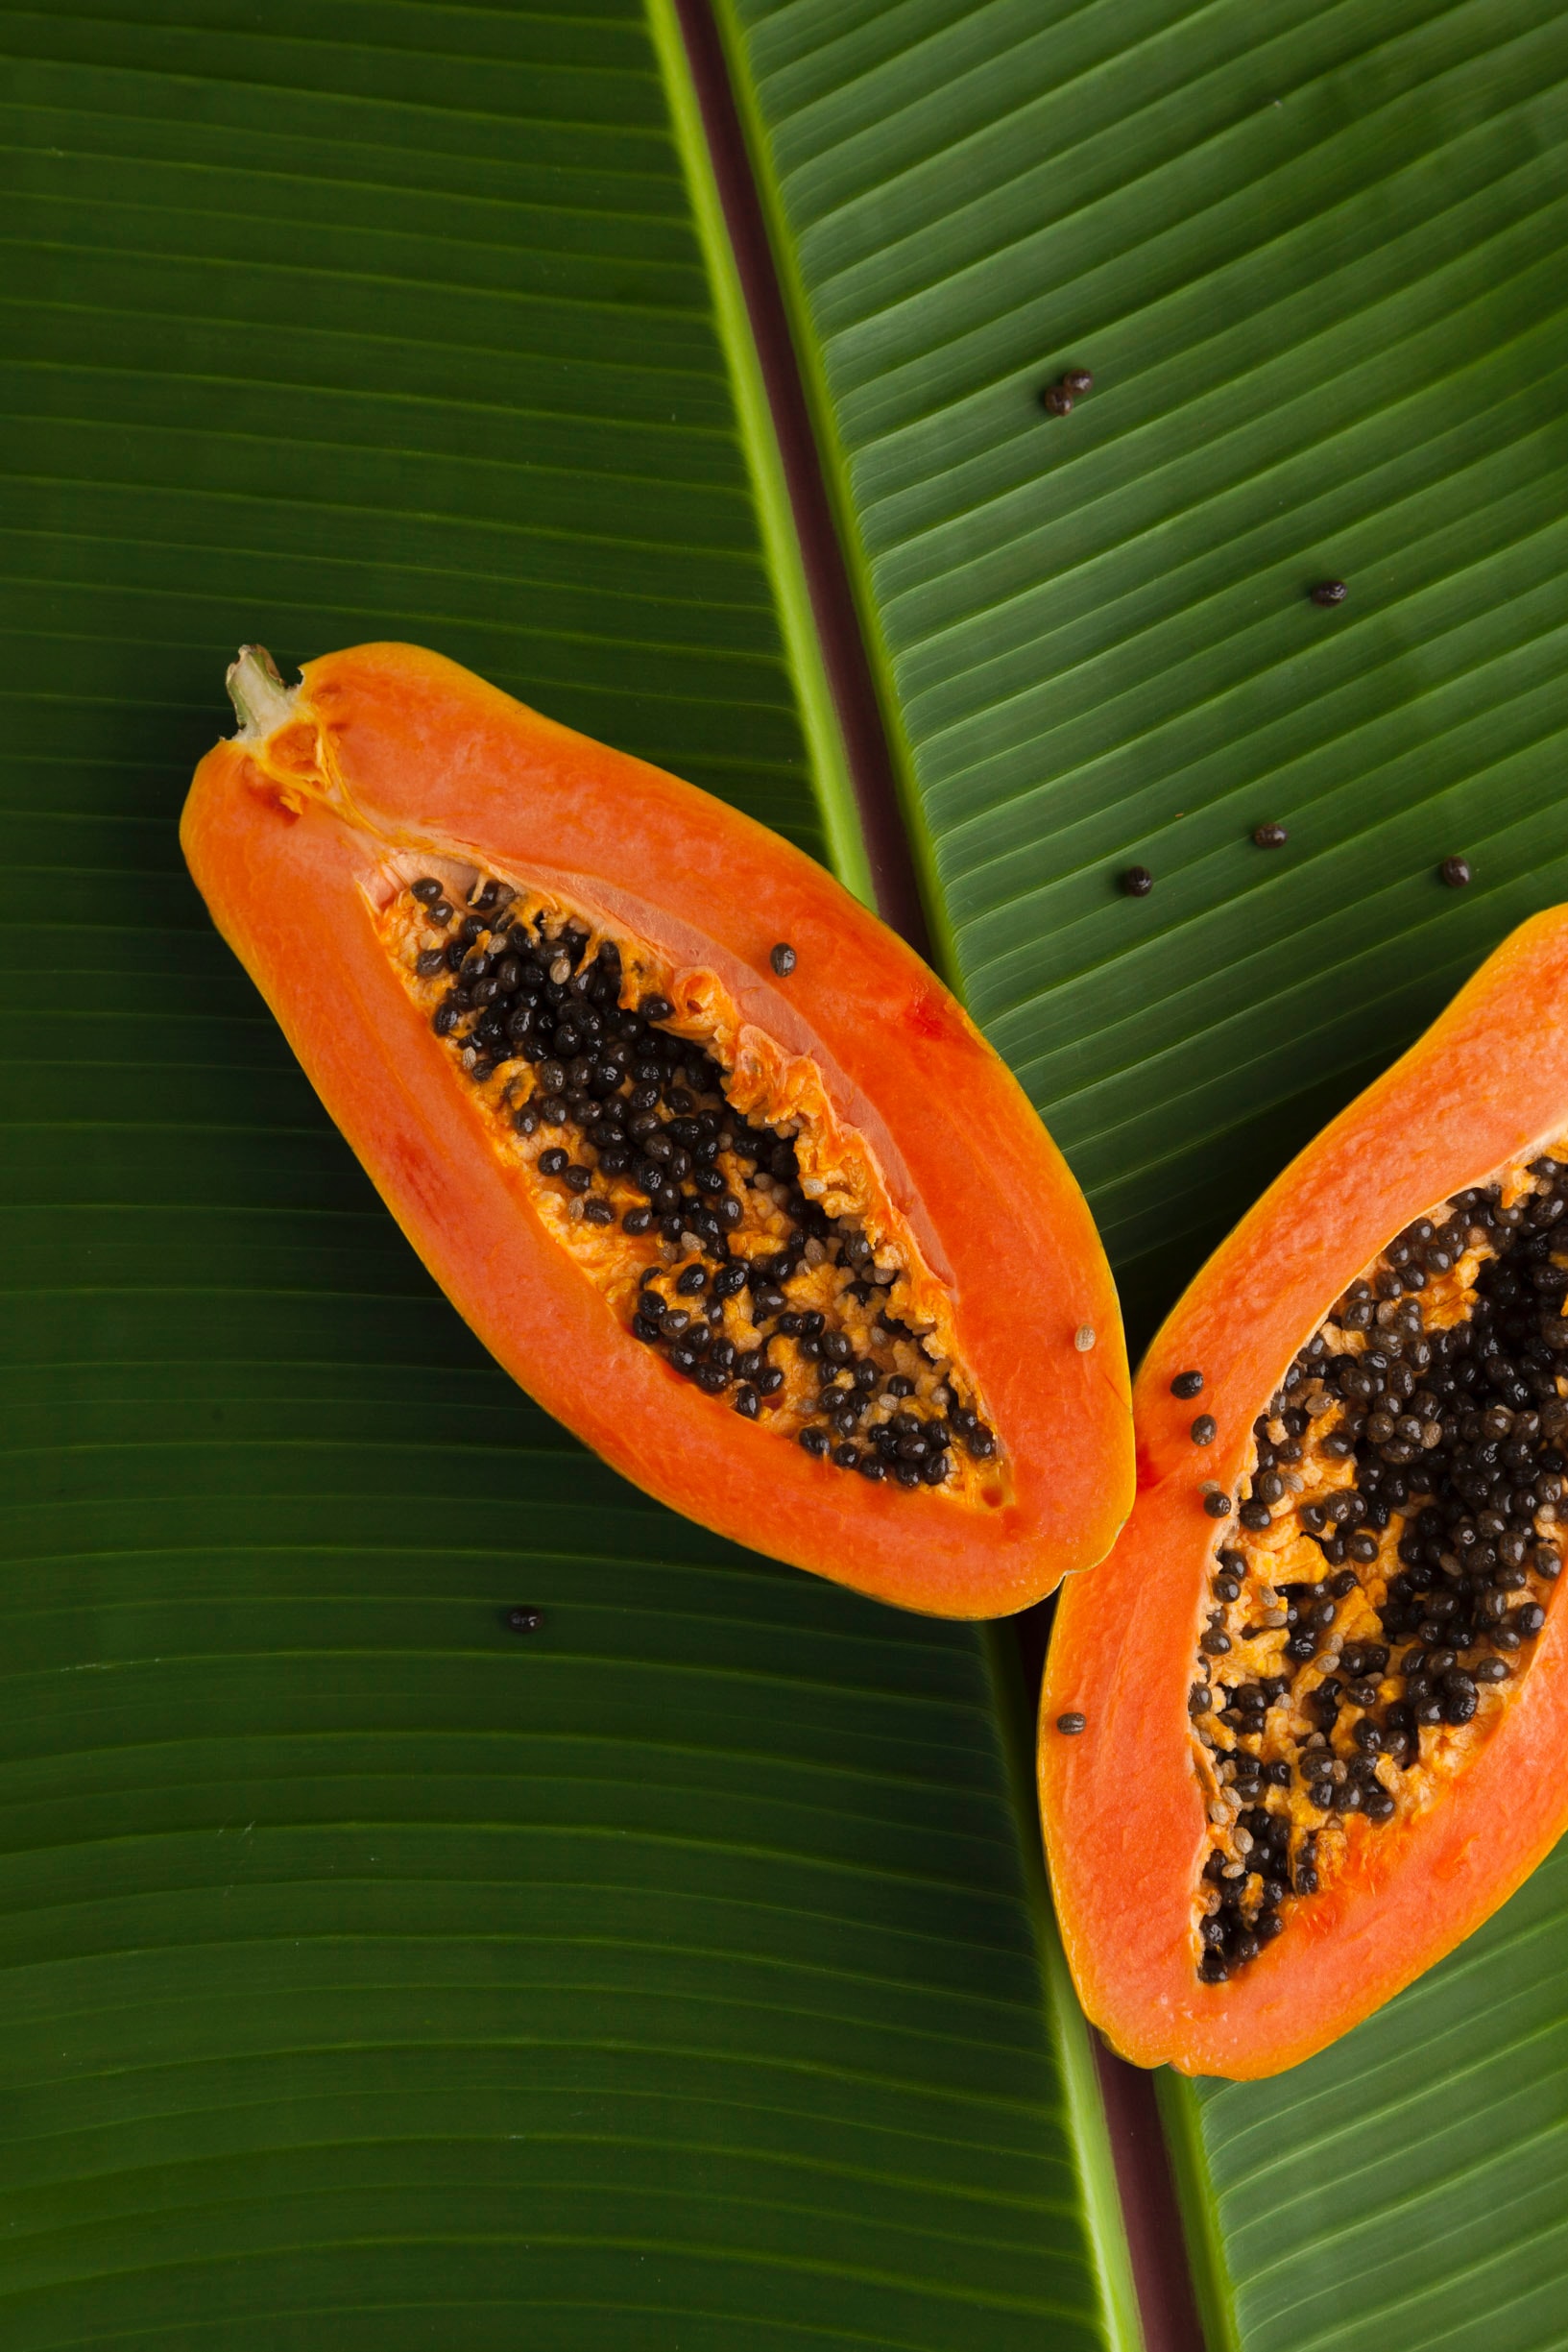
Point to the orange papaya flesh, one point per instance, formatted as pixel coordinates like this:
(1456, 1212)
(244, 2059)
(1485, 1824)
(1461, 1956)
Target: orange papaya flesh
(1324, 1671)
(783, 1241)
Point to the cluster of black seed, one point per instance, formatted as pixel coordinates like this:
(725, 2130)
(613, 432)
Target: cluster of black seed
(632, 1102)
(1460, 1430)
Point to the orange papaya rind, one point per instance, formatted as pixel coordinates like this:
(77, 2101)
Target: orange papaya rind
(775, 1232)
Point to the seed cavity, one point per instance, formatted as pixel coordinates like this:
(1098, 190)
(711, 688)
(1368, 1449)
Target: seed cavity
(1397, 1547)
(700, 1177)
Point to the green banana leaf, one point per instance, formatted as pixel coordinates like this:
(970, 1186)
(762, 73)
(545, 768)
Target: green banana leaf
(681, 1974)
(1316, 272)
(1314, 261)
(1409, 2189)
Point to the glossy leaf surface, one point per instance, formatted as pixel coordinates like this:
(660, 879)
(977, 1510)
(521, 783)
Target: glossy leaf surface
(1407, 2188)
(370, 1974)
(1314, 267)
(1314, 261)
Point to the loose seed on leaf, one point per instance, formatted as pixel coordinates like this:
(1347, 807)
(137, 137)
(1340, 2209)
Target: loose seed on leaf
(1136, 882)
(1329, 591)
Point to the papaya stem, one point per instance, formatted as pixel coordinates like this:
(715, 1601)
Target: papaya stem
(256, 688)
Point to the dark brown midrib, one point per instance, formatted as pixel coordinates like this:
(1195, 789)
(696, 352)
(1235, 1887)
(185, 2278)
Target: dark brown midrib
(1161, 2272)
(822, 557)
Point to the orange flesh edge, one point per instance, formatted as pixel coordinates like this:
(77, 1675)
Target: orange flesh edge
(395, 755)
(1123, 1809)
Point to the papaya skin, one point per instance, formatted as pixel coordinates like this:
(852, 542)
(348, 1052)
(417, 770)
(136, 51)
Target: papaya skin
(1122, 1806)
(393, 753)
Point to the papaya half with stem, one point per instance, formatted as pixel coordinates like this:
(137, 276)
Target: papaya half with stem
(706, 1156)
(1323, 1676)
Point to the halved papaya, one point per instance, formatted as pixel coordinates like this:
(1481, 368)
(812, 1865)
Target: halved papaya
(1323, 1676)
(704, 1153)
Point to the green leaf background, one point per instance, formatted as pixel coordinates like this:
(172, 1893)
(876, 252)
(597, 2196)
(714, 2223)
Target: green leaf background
(681, 1978)
(1314, 262)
